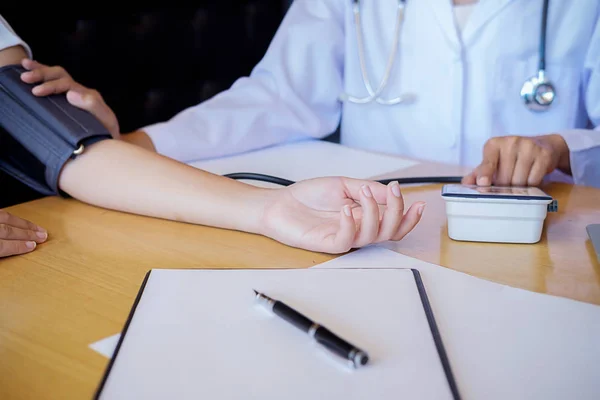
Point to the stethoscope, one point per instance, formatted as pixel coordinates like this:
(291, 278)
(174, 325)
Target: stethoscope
(537, 92)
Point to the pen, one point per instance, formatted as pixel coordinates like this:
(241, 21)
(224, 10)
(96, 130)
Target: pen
(322, 335)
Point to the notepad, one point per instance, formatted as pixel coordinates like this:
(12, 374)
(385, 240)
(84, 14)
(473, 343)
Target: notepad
(200, 334)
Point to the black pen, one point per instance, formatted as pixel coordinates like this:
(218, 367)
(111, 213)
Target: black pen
(322, 335)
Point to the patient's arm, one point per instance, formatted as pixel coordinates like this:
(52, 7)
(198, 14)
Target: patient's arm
(329, 215)
(139, 138)
(120, 176)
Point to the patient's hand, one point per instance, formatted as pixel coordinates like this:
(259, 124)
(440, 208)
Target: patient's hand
(55, 80)
(334, 215)
(18, 236)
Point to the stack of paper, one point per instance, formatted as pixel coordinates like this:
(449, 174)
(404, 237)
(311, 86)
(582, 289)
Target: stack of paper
(307, 159)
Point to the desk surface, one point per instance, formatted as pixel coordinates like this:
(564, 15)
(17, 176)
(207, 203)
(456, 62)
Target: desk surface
(79, 286)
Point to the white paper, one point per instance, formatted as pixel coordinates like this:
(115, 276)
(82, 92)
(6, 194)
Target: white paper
(307, 159)
(106, 346)
(199, 334)
(504, 342)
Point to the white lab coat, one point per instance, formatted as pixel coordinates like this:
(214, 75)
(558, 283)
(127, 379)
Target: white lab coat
(467, 85)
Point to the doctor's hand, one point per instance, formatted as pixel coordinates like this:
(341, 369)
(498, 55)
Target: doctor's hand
(18, 236)
(519, 160)
(334, 215)
(56, 80)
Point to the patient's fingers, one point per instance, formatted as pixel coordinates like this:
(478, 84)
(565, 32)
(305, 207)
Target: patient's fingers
(410, 220)
(9, 232)
(342, 241)
(14, 247)
(354, 188)
(369, 224)
(392, 215)
(12, 220)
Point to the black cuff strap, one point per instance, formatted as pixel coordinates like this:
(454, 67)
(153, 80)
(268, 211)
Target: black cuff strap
(38, 135)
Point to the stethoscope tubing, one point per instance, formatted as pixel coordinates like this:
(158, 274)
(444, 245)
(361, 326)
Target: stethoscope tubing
(251, 176)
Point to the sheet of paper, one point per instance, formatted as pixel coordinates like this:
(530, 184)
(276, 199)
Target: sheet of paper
(503, 342)
(200, 334)
(307, 159)
(106, 346)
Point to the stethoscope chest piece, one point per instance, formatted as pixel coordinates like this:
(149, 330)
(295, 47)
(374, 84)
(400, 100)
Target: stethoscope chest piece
(538, 93)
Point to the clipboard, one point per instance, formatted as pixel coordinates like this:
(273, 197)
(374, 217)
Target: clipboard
(139, 367)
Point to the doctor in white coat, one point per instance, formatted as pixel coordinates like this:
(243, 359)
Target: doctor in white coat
(436, 80)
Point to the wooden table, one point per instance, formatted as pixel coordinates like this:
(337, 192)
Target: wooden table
(79, 286)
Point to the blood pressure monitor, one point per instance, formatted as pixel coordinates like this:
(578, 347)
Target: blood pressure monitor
(496, 214)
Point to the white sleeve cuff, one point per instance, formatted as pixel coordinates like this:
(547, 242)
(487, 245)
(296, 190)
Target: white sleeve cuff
(584, 148)
(581, 139)
(163, 140)
(9, 38)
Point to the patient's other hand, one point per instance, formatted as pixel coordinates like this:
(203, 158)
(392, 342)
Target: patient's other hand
(18, 236)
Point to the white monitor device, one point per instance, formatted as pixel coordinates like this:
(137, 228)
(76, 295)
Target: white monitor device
(496, 214)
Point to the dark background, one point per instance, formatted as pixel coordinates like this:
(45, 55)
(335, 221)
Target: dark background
(148, 63)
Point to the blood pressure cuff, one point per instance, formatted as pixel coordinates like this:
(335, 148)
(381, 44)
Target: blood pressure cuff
(38, 135)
